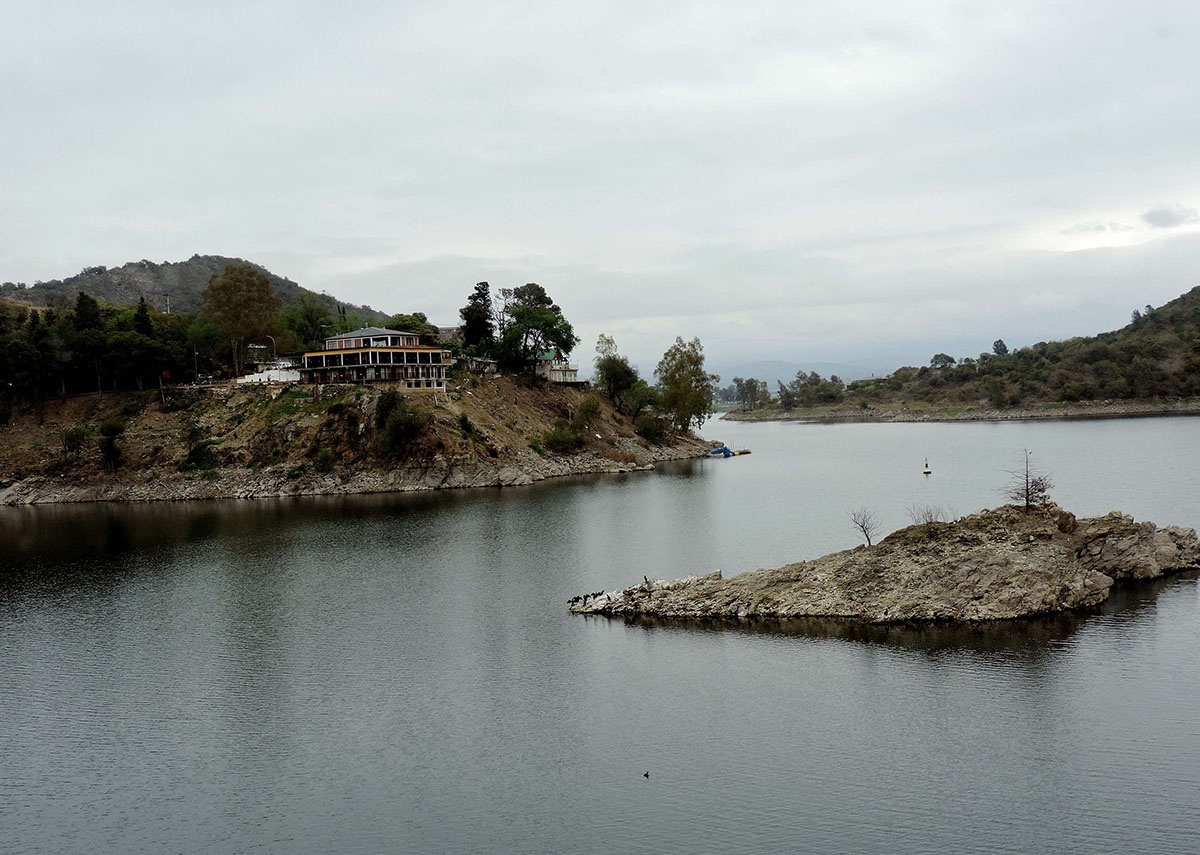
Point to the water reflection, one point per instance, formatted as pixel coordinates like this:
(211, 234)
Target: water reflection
(400, 673)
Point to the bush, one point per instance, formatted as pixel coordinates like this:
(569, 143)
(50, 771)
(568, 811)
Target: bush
(324, 460)
(110, 451)
(200, 456)
(190, 431)
(75, 438)
(586, 415)
(467, 426)
(651, 428)
(561, 439)
(398, 423)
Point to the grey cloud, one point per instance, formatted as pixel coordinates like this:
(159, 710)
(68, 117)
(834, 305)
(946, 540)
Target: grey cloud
(772, 182)
(1096, 227)
(1170, 217)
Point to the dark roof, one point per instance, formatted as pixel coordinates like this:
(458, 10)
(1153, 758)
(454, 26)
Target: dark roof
(369, 332)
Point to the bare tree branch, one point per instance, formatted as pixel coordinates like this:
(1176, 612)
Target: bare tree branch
(1027, 486)
(865, 521)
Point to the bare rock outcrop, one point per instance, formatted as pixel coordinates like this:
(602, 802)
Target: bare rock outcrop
(994, 565)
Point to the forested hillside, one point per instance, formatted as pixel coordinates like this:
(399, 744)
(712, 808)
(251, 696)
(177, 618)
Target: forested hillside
(89, 344)
(1155, 356)
(181, 282)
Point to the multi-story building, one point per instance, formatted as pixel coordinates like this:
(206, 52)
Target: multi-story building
(375, 355)
(555, 367)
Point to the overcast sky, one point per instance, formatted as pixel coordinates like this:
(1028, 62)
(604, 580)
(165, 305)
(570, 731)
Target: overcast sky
(792, 180)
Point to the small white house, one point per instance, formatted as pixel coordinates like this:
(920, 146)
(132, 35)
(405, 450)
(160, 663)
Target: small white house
(556, 368)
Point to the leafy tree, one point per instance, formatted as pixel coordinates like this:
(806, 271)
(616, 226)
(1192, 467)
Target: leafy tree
(308, 319)
(417, 323)
(534, 325)
(811, 389)
(941, 361)
(87, 312)
(204, 340)
(242, 306)
(742, 394)
(999, 347)
(751, 393)
(478, 327)
(685, 389)
(641, 395)
(142, 325)
(615, 375)
(133, 357)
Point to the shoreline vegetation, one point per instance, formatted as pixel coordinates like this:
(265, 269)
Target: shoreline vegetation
(919, 411)
(1001, 564)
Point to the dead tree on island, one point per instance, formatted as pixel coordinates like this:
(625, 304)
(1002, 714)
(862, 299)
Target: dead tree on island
(1028, 487)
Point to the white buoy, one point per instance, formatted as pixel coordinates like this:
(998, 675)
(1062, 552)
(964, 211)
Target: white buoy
(926, 470)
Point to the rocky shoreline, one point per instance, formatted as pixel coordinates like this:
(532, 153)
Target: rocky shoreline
(275, 481)
(1075, 410)
(291, 440)
(994, 565)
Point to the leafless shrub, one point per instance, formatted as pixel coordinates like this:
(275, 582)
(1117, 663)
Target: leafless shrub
(927, 514)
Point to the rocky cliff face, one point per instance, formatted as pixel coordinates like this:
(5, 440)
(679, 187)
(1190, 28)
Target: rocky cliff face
(996, 564)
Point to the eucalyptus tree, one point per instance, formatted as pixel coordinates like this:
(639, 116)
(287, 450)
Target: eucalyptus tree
(685, 389)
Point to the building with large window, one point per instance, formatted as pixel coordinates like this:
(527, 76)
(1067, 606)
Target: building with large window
(375, 355)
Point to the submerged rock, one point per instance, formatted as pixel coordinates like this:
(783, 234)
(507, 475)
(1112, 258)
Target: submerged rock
(994, 565)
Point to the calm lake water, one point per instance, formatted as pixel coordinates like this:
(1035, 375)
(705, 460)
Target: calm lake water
(400, 673)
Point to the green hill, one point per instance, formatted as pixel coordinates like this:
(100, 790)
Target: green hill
(183, 282)
(1156, 355)
(1154, 358)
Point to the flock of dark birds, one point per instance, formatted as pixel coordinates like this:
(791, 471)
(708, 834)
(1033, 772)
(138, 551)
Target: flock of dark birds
(583, 598)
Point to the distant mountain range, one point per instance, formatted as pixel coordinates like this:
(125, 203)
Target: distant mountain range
(177, 286)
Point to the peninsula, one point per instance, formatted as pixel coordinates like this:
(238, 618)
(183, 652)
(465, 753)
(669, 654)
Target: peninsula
(994, 565)
(250, 441)
(295, 393)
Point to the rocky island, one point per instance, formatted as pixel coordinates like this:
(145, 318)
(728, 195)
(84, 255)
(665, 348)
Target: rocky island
(994, 565)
